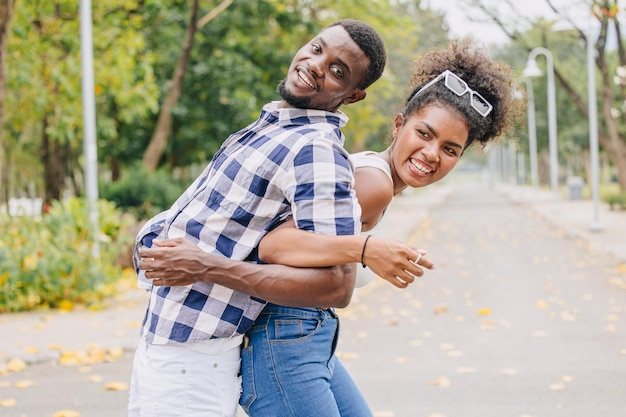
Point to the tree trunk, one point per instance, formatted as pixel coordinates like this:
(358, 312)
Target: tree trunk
(158, 142)
(6, 13)
(54, 160)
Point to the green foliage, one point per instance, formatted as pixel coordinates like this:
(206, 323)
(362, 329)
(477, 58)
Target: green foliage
(49, 262)
(141, 193)
(615, 199)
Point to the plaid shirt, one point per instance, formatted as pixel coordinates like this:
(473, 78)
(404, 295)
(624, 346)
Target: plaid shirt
(290, 162)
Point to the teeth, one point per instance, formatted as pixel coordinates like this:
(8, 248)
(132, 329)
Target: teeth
(421, 167)
(304, 80)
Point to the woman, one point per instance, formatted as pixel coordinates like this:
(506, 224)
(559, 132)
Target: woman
(462, 97)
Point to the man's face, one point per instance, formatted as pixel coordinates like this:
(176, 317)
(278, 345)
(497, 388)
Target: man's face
(324, 74)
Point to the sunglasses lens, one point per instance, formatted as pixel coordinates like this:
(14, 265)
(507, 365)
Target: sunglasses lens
(457, 85)
(480, 104)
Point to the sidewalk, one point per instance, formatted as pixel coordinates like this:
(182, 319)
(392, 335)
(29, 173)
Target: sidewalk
(577, 218)
(46, 336)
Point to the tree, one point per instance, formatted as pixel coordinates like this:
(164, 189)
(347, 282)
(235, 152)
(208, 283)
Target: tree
(612, 133)
(6, 13)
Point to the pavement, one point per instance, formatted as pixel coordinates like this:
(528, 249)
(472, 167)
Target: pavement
(48, 336)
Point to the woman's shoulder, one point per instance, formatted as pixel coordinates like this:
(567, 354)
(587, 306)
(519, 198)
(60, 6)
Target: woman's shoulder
(370, 159)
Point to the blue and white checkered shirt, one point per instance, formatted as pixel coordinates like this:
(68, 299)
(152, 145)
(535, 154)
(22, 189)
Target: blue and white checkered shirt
(289, 162)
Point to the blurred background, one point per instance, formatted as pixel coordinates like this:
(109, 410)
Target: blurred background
(86, 157)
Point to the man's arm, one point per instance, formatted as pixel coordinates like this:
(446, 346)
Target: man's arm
(179, 262)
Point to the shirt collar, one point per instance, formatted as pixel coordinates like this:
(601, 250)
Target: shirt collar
(297, 116)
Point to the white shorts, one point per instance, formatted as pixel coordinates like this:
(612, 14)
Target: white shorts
(175, 380)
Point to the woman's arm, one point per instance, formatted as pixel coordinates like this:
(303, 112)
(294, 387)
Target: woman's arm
(389, 259)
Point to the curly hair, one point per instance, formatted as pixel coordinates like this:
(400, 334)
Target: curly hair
(370, 43)
(489, 78)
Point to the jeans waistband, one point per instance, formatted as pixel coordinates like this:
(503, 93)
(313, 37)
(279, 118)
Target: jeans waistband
(304, 312)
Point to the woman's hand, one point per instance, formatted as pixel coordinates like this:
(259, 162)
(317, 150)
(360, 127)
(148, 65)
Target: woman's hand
(395, 261)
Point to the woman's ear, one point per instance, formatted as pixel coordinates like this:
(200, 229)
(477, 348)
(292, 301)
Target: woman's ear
(397, 124)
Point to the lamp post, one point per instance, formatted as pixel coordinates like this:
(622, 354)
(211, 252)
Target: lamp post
(532, 70)
(593, 133)
(89, 120)
(532, 136)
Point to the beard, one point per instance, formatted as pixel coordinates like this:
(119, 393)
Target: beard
(292, 100)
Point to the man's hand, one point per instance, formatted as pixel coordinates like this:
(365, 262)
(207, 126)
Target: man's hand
(175, 262)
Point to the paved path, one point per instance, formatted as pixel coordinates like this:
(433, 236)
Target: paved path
(522, 317)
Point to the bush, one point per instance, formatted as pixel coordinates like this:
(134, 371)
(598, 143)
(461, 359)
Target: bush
(141, 193)
(49, 261)
(615, 199)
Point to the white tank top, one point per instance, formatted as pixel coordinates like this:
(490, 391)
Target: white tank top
(370, 159)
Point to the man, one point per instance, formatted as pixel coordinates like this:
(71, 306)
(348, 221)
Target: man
(290, 162)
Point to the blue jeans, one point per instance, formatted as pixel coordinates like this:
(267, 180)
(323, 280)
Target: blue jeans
(290, 369)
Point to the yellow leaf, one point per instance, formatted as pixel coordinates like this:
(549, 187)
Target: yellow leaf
(557, 386)
(567, 378)
(29, 263)
(541, 305)
(66, 305)
(443, 382)
(116, 386)
(465, 370)
(16, 365)
(9, 402)
(508, 371)
(24, 384)
(441, 310)
(621, 268)
(484, 311)
(66, 413)
(3, 278)
(95, 378)
(402, 359)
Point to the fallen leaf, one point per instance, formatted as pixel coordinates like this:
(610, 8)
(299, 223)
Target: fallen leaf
(465, 370)
(613, 317)
(557, 386)
(66, 413)
(610, 328)
(443, 382)
(440, 310)
(24, 384)
(16, 365)
(95, 378)
(384, 414)
(541, 305)
(567, 378)
(455, 354)
(9, 402)
(402, 359)
(116, 386)
(508, 371)
(485, 311)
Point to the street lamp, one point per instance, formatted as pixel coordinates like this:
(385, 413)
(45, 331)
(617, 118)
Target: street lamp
(532, 70)
(532, 135)
(593, 133)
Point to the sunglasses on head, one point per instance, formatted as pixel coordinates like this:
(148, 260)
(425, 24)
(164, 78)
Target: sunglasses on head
(459, 87)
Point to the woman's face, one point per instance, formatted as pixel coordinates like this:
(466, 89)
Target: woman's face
(427, 145)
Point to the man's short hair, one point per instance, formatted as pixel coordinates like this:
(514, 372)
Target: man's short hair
(371, 44)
